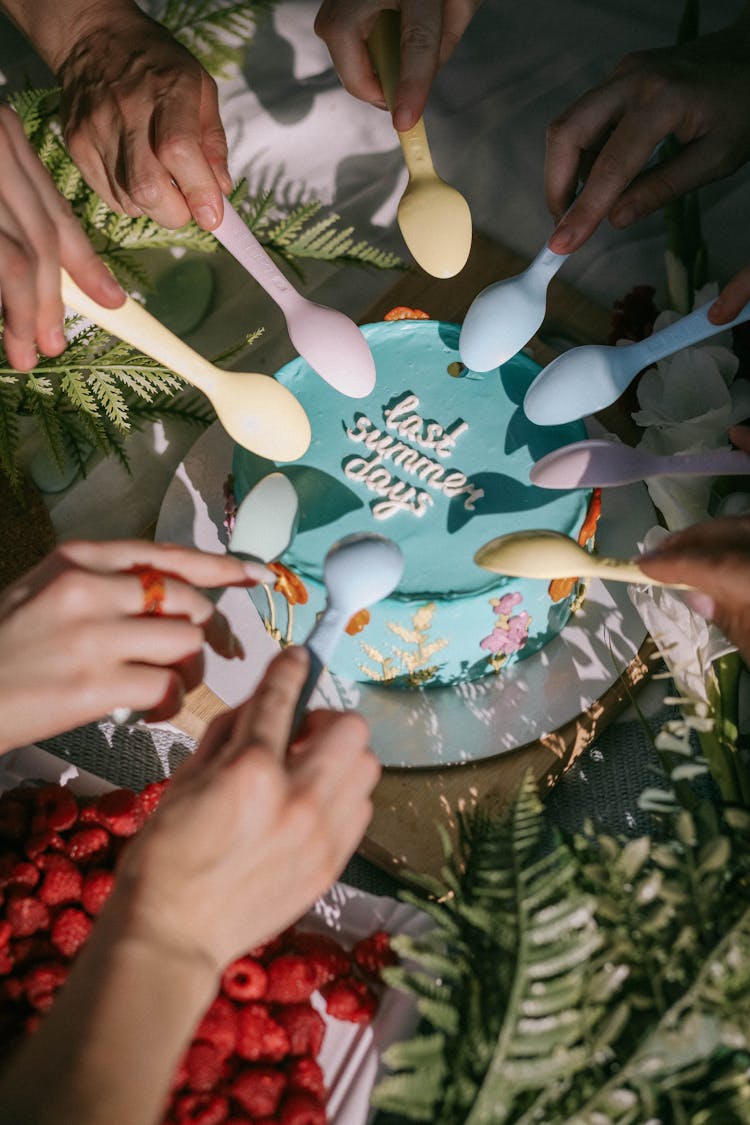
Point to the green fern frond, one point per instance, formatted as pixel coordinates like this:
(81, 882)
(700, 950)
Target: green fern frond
(216, 33)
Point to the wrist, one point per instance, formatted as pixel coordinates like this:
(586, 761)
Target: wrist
(55, 27)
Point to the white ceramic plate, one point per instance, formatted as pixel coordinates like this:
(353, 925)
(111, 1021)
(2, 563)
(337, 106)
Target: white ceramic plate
(350, 1053)
(437, 726)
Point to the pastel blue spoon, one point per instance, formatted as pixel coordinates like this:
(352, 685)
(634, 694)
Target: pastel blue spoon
(503, 317)
(586, 379)
(358, 571)
(599, 463)
(266, 520)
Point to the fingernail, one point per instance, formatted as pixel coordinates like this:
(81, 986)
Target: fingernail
(380, 105)
(112, 287)
(57, 338)
(206, 217)
(258, 573)
(402, 119)
(716, 313)
(561, 239)
(700, 603)
(297, 653)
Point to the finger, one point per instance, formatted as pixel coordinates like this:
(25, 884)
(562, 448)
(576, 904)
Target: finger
(200, 568)
(345, 33)
(421, 34)
(691, 168)
(148, 182)
(740, 436)
(331, 749)
(213, 137)
(730, 302)
(97, 166)
(582, 128)
(717, 534)
(18, 303)
(266, 718)
(154, 692)
(456, 18)
(178, 129)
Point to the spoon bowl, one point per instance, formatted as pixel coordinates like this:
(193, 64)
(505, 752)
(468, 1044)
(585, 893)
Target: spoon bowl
(598, 463)
(548, 554)
(588, 378)
(331, 343)
(503, 317)
(433, 217)
(266, 520)
(256, 411)
(358, 571)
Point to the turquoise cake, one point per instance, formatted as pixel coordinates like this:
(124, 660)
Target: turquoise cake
(436, 458)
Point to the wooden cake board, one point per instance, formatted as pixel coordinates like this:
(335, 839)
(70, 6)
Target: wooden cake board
(408, 802)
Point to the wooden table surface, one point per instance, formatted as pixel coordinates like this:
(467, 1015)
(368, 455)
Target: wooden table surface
(407, 802)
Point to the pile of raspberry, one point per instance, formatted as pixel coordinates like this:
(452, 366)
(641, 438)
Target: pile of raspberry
(254, 1055)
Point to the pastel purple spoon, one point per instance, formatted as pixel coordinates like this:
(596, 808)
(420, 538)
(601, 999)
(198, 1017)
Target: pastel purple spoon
(601, 463)
(327, 339)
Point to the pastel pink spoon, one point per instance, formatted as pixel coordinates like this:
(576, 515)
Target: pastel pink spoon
(600, 463)
(327, 339)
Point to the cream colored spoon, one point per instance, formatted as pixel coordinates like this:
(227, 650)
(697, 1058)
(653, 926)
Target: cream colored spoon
(548, 554)
(434, 218)
(256, 411)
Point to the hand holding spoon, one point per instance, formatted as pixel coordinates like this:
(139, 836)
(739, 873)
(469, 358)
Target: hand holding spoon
(586, 379)
(266, 520)
(600, 463)
(358, 571)
(256, 411)
(548, 554)
(434, 218)
(327, 339)
(503, 317)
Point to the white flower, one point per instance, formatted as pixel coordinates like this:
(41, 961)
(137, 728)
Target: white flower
(688, 643)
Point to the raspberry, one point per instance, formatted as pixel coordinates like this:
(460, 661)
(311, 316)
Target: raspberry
(325, 955)
(301, 1109)
(70, 930)
(151, 795)
(290, 979)
(306, 1074)
(5, 932)
(88, 843)
(201, 1109)
(62, 880)
(26, 914)
(120, 811)
(46, 840)
(259, 1037)
(204, 1066)
(8, 861)
(56, 808)
(6, 963)
(14, 817)
(219, 1026)
(89, 813)
(259, 1090)
(349, 999)
(24, 874)
(97, 887)
(374, 953)
(244, 979)
(42, 982)
(304, 1027)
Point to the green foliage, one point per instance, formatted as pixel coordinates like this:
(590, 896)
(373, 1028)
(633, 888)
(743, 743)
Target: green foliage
(100, 389)
(587, 981)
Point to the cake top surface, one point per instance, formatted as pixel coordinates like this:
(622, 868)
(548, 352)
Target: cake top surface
(437, 458)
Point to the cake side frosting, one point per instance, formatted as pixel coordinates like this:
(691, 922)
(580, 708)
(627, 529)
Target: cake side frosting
(438, 459)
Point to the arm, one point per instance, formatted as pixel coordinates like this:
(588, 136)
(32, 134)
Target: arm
(698, 92)
(141, 115)
(430, 30)
(75, 644)
(244, 840)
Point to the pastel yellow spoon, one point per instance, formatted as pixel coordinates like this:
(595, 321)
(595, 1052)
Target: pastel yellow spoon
(434, 218)
(256, 411)
(548, 554)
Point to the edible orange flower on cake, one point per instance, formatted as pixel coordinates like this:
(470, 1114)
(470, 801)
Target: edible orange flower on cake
(288, 584)
(403, 312)
(358, 622)
(560, 588)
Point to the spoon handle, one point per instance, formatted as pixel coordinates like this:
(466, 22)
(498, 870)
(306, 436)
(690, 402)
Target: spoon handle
(320, 644)
(547, 263)
(688, 330)
(137, 327)
(234, 236)
(384, 45)
(618, 570)
(313, 675)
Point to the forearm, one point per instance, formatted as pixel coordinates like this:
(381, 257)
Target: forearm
(53, 27)
(109, 1046)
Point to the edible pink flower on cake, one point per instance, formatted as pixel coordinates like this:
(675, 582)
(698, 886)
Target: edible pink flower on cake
(511, 630)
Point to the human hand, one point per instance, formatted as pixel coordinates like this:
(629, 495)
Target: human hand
(75, 644)
(141, 119)
(698, 92)
(733, 297)
(715, 557)
(38, 234)
(430, 30)
(248, 833)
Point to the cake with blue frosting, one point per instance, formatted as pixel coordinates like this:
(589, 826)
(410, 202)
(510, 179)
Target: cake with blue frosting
(436, 458)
